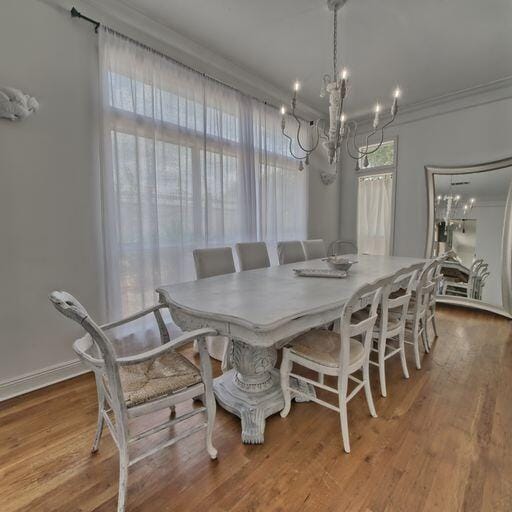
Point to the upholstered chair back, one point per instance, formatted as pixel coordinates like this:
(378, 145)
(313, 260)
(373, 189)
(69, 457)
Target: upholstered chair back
(252, 255)
(314, 249)
(290, 252)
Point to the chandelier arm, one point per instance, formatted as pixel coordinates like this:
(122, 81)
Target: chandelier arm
(290, 141)
(379, 144)
(347, 146)
(356, 126)
(299, 126)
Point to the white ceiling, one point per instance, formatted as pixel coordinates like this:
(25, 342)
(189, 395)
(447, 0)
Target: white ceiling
(429, 47)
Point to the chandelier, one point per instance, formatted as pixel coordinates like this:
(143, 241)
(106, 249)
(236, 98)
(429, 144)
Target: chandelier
(452, 207)
(339, 129)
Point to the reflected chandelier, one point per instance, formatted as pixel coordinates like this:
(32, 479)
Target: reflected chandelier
(339, 129)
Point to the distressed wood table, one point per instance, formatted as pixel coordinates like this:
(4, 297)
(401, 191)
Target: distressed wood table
(259, 310)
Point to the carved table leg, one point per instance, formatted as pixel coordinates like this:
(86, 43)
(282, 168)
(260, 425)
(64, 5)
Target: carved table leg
(252, 389)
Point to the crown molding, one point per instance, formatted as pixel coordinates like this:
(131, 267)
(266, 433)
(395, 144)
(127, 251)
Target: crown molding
(482, 94)
(125, 19)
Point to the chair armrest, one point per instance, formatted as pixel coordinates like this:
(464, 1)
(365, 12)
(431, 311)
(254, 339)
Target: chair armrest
(133, 317)
(162, 349)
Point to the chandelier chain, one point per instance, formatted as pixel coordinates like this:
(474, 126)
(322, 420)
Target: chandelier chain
(335, 44)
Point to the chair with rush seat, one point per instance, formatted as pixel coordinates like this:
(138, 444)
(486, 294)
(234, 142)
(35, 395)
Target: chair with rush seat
(129, 387)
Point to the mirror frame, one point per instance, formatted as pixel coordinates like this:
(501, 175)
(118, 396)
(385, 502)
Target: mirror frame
(506, 238)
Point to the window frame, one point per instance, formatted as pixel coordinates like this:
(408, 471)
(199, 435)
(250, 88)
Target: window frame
(381, 168)
(376, 171)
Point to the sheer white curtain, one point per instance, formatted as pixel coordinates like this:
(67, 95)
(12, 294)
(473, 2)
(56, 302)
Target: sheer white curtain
(374, 212)
(186, 163)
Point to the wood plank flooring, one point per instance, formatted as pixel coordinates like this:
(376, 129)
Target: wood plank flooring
(442, 442)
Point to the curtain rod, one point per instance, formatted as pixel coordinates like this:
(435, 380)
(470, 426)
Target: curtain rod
(77, 14)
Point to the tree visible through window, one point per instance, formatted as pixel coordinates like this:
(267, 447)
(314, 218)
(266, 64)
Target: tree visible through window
(382, 157)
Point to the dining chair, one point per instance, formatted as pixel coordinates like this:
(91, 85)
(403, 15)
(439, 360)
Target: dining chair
(339, 247)
(391, 328)
(136, 385)
(252, 255)
(417, 316)
(338, 354)
(213, 261)
(314, 249)
(290, 252)
(430, 314)
(210, 262)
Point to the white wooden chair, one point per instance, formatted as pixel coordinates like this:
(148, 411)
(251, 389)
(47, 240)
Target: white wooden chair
(391, 328)
(132, 386)
(459, 289)
(290, 252)
(252, 255)
(430, 314)
(210, 262)
(417, 316)
(337, 354)
(314, 249)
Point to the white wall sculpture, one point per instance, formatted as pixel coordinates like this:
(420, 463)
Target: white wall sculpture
(15, 105)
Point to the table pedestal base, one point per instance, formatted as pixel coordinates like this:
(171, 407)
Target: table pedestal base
(252, 390)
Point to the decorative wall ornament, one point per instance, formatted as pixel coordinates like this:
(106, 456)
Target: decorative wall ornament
(15, 105)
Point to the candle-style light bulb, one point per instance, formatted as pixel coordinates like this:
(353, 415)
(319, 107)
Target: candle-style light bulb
(283, 110)
(344, 73)
(376, 118)
(296, 86)
(394, 107)
(342, 124)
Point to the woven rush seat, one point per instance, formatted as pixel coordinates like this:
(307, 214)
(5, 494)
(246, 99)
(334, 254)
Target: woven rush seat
(161, 376)
(323, 347)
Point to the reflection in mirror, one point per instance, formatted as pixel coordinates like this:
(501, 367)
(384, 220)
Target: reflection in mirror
(469, 213)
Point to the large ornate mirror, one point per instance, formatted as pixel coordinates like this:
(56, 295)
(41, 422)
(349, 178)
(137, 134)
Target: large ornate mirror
(469, 215)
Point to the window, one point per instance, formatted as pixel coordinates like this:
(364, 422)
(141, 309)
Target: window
(375, 203)
(385, 156)
(186, 163)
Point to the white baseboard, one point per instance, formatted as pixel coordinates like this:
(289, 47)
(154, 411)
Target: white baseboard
(40, 379)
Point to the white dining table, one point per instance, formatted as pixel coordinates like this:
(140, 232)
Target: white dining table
(260, 310)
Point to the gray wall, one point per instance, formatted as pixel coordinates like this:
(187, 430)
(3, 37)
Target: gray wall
(50, 225)
(49, 208)
(475, 129)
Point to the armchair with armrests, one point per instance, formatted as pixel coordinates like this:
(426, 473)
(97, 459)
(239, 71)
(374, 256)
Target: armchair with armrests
(132, 386)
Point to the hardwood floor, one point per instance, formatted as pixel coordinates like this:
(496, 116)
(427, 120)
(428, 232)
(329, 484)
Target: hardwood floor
(443, 442)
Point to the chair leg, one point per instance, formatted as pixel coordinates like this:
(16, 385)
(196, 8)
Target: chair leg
(434, 326)
(368, 389)
(402, 355)
(321, 378)
(382, 368)
(424, 335)
(211, 410)
(123, 478)
(208, 397)
(415, 342)
(285, 382)
(101, 421)
(342, 395)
